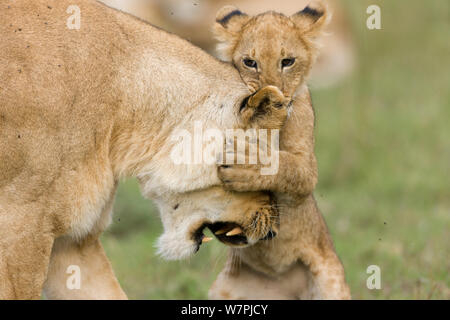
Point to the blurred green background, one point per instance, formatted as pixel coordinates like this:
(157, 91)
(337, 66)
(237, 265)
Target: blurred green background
(383, 148)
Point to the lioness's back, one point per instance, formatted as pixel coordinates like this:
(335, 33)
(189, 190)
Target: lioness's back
(60, 87)
(47, 73)
(37, 47)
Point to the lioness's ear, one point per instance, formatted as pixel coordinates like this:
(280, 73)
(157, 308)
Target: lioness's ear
(312, 19)
(228, 25)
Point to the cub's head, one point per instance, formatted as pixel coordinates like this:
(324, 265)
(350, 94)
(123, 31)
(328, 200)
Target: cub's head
(271, 48)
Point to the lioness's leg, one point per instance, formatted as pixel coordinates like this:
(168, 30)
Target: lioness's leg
(97, 280)
(25, 246)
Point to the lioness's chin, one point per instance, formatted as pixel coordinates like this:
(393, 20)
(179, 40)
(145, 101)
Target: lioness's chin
(174, 247)
(181, 245)
(182, 241)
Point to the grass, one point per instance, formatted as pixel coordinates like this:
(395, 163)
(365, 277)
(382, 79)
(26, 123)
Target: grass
(383, 147)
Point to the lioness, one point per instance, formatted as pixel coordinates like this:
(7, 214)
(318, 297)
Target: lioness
(273, 49)
(80, 108)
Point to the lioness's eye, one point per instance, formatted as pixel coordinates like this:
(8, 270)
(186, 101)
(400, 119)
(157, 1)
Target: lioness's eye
(250, 63)
(287, 62)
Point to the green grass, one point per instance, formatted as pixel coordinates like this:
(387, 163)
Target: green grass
(383, 147)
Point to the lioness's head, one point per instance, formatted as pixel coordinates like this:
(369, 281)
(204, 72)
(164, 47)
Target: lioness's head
(271, 48)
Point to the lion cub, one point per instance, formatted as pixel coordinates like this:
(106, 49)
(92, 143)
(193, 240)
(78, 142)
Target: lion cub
(273, 49)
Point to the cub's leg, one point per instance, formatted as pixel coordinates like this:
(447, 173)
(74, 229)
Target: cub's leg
(327, 271)
(25, 245)
(318, 253)
(97, 279)
(238, 281)
(303, 236)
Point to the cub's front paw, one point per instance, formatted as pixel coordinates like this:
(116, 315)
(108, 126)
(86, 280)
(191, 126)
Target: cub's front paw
(247, 223)
(242, 177)
(266, 108)
(244, 170)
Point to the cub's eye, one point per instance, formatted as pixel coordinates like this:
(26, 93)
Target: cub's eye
(250, 63)
(287, 62)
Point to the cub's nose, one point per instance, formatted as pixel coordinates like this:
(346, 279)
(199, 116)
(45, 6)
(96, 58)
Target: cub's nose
(266, 80)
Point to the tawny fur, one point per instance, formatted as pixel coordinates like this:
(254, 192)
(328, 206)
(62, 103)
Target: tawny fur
(81, 108)
(303, 237)
(336, 59)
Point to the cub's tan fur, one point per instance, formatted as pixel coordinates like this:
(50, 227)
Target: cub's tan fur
(81, 108)
(265, 40)
(336, 59)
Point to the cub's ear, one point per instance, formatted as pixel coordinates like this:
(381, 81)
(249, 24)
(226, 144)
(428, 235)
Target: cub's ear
(312, 19)
(230, 19)
(228, 25)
